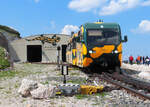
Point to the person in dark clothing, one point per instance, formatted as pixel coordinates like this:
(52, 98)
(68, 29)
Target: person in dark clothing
(147, 60)
(143, 60)
(140, 59)
(131, 59)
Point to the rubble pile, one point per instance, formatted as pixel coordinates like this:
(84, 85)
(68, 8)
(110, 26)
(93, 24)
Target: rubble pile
(36, 90)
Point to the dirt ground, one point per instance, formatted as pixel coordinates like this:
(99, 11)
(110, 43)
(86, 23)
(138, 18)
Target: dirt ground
(45, 74)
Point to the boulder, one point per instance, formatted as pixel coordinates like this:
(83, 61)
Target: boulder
(26, 87)
(43, 91)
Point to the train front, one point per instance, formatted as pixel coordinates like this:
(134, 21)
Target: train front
(103, 45)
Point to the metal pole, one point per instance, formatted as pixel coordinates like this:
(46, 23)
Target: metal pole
(64, 79)
(58, 58)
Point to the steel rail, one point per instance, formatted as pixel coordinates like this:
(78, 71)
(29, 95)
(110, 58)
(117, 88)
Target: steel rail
(130, 90)
(132, 81)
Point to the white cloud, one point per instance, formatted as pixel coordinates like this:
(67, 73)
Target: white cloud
(146, 3)
(116, 6)
(36, 1)
(68, 29)
(106, 7)
(143, 27)
(84, 5)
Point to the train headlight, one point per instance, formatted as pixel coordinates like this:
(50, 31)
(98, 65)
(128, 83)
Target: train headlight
(91, 51)
(115, 51)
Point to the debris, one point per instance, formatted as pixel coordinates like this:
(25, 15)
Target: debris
(43, 91)
(87, 89)
(72, 89)
(40, 91)
(68, 89)
(26, 87)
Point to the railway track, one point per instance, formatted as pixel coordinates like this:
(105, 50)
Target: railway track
(130, 86)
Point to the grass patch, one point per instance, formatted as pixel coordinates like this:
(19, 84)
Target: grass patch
(8, 92)
(16, 86)
(81, 96)
(1, 88)
(4, 63)
(11, 74)
(102, 94)
(8, 74)
(44, 83)
(78, 81)
(74, 73)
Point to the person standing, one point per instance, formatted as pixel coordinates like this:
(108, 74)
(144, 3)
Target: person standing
(143, 60)
(147, 60)
(131, 59)
(138, 59)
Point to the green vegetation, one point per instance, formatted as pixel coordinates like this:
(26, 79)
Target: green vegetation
(4, 63)
(81, 96)
(75, 73)
(44, 83)
(8, 73)
(77, 81)
(16, 86)
(1, 88)
(8, 92)
(102, 94)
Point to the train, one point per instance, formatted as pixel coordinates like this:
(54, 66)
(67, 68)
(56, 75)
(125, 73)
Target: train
(96, 45)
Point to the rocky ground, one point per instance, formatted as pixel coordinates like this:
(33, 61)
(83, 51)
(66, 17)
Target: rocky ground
(47, 74)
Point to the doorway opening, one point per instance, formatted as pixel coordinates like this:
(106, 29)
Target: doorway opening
(34, 53)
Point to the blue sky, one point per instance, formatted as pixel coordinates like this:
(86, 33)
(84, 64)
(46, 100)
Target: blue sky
(31, 17)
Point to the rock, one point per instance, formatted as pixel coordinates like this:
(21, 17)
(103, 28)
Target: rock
(43, 91)
(145, 75)
(26, 87)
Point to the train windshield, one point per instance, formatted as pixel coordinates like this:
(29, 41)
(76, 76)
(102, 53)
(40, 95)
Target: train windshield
(96, 37)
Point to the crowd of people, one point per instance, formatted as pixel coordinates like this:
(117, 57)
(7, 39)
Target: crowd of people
(139, 60)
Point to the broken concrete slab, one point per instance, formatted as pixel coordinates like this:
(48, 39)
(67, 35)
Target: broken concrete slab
(26, 87)
(43, 91)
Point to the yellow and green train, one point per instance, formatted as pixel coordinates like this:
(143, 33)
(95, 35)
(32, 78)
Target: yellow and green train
(96, 45)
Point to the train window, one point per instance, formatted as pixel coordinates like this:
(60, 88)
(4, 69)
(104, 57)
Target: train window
(108, 36)
(95, 32)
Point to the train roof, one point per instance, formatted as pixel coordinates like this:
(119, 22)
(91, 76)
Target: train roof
(98, 25)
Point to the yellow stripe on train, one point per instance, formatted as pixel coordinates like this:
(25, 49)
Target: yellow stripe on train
(87, 61)
(101, 50)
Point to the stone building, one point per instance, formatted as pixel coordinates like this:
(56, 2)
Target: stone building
(7, 35)
(38, 48)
